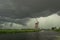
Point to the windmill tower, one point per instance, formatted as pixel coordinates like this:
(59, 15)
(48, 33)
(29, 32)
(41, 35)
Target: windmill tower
(36, 24)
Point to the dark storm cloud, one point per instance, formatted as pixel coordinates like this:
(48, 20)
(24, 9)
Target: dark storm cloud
(28, 8)
(18, 21)
(17, 9)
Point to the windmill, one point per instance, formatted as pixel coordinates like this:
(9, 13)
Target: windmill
(36, 24)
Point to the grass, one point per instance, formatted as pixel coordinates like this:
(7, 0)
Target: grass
(57, 30)
(17, 30)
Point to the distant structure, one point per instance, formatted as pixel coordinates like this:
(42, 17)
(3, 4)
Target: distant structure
(36, 24)
(11, 24)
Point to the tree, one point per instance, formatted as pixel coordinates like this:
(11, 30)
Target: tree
(53, 28)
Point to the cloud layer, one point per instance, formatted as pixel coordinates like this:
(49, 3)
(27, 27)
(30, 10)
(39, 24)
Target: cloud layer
(28, 8)
(45, 22)
(20, 11)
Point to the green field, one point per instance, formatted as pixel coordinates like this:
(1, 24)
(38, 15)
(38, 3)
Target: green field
(17, 30)
(58, 30)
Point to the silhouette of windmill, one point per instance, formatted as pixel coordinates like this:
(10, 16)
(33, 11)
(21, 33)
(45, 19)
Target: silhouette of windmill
(36, 24)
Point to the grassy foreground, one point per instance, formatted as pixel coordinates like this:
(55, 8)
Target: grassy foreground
(17, 30)
(57, 30)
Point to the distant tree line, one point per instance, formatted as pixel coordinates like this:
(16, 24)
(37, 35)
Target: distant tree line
(53, 28)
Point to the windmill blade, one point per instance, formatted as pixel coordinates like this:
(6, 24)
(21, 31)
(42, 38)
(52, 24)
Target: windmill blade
(36, 20)
(11, 24)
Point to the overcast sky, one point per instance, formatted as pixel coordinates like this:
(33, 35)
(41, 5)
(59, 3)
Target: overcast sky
(46, 22)
(21, 12)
